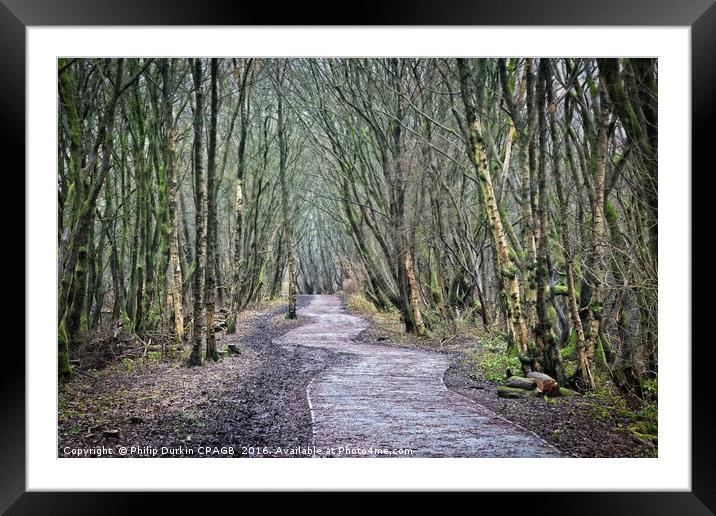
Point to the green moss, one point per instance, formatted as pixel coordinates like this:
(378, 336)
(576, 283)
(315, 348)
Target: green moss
(570, 368)
(601, 358)
(560, 290)
(645, 427)
(262, 273)
(126, 320)
(84, 324)
(567, 393)
(509, 272)
(647, 437)
(509, 392)
(551, 315)
(434, 284)
(533, 350)
(64, 369)
(570, 350)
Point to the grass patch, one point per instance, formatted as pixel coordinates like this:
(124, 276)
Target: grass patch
(489, 359)
(357, 302)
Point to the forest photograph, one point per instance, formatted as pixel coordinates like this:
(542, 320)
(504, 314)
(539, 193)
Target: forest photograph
(357, 257)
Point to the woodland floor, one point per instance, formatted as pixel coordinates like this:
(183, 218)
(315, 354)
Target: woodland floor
(256, 403)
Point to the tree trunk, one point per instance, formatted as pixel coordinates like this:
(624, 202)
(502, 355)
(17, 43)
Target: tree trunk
(551, 356)
(200, 240)
(414, 300)
(209, 291)
(597, 256)
(239, 203)
(287, 221)
(508, 272)
(174, 259)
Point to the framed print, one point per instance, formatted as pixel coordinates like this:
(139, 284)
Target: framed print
(417, 252)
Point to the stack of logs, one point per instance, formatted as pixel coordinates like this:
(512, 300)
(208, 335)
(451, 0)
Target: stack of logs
(533, 385)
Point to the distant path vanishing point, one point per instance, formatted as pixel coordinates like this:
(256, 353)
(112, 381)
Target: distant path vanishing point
(388, 398)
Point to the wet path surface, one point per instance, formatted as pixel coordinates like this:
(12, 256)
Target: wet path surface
(390, 398)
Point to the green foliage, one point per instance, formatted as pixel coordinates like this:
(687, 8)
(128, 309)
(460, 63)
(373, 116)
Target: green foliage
(610, 213)
(126, 320)
(154, 316)
(650, 388)
(432, 318)
(128, 364)
(231, 325)
(511, 73)
(490, 358)
(190, 272)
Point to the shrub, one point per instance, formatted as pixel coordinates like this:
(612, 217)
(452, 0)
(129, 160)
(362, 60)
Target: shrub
(349, 286)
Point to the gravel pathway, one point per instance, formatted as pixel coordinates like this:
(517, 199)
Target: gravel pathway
(386, 401)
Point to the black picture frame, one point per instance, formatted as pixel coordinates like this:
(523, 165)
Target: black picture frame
(17, 15)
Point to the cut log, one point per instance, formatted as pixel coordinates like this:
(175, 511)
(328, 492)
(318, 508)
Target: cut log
(547, 388)
(111, 433)
(232, 349)
(518, 382)
(539, 376)
(511, 393)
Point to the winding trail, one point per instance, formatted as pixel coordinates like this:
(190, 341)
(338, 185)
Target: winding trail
(389, 398)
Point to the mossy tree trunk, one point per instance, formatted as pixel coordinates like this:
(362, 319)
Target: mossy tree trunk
(525, 129)
(508, 272)
(209, 291)
(551, 356)
(597, 270)
(563, 227)
(200, 239)
(170, 161)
